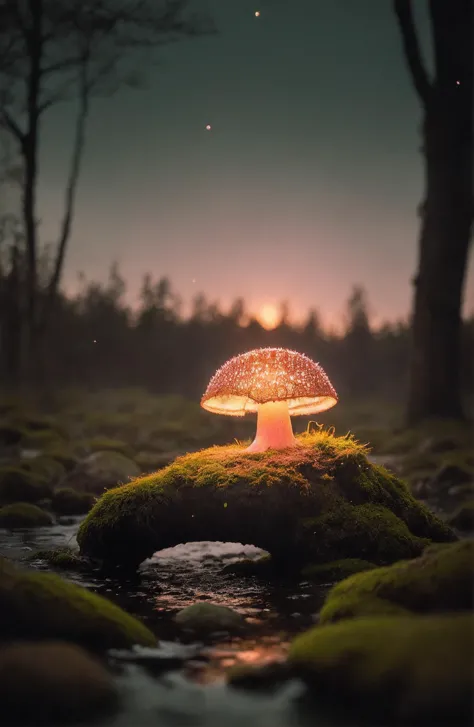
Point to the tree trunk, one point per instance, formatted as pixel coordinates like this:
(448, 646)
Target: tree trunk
(447, 101)
(435, 383)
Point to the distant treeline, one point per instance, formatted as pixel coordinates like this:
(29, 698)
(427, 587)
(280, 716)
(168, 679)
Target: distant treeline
(96, 340)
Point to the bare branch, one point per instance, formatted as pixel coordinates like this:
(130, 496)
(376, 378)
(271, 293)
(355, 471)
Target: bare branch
(9, 123)
(70, 197)
(411, 46)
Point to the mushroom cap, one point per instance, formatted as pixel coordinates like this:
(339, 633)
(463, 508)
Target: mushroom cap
(269, 374)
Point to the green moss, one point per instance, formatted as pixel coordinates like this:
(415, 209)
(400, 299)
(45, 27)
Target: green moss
(66, 501)
(49, 469)
(62, 453)
(61, 558)
(10, 434)
(320, 502)
(403, 670)
(107, 444)
(335, 571)
(23, 515)
(17, 484)
(439, 580)
(43, 606)
(463, 518)
(41, 439)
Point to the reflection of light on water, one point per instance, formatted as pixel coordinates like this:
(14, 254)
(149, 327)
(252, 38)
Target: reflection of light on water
(249, 652)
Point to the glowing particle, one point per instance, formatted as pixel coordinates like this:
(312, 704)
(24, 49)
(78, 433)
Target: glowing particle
(257, 13)
(458, 83)
(208, 127)
(193, 280)
(94, 341)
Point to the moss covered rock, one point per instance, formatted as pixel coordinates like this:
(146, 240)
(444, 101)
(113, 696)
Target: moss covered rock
(45, 467)
(316, 503)
(66, 501)
(18, 484)
(43, 606)
(23, 515)
(10, 434)
(335, 571)
(403, 670)
(463, 518)
(440, 580)
(207, 618)
(61, 558)
(53, 683)
(107, 444)
(100, 471)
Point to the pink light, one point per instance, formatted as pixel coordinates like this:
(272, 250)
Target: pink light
(208, 127)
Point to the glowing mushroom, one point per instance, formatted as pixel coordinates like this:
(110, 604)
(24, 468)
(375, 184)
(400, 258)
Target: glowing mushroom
(275, 383)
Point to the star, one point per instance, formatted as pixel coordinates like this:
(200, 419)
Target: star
(208, 127)
(257, 13)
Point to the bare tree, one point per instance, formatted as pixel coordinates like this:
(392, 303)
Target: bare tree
(446, 100)
(52, 51)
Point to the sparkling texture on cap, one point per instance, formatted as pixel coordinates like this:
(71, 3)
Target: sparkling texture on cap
(269, 374)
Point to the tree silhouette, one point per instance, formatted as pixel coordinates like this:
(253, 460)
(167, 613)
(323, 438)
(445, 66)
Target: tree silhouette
(51, 52)
(447, 106)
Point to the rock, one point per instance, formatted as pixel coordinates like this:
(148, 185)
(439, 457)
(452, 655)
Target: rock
(64, 454)
(260, 567)
(66, 501)
(440, 580)
(463, 518)
(62, 558)
(23, 515)
(437, 445)
(335, 571)
(19, 485)
(10, 434)
(208, 618)
(100, 471)
(43, 606)
(53, 683)
(449, 475)
(107, 444)
(400, 670)
(152, 461)
(49, 469)
(320, 502)
(262, 679)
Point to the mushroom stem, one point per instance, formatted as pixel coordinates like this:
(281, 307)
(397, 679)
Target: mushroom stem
(274, 430)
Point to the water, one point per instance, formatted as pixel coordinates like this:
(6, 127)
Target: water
(182, 683)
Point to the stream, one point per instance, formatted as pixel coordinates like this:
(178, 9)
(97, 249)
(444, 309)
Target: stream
(182, 682)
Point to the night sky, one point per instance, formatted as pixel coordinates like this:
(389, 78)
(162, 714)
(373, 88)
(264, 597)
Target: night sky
(307, 183)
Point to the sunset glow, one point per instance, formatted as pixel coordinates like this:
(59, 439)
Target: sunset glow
(268, 316)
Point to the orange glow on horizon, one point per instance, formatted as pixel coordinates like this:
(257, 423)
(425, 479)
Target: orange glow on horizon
(268, 316)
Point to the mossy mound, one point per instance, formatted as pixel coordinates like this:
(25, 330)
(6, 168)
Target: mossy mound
(23, 515)
(463, 518)
(10, 434)
(316, 503)
(53, 683)
(107, 444)
(440, 580)
(335, 571)
(66, 501)
(60, 558)
(17, 484)
(100, 471)
(403, 670)
(37, 606)
(45, 467)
